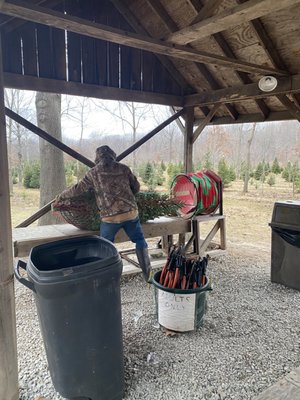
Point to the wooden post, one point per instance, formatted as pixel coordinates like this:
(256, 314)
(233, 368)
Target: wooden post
(188, 139)
(8, 343)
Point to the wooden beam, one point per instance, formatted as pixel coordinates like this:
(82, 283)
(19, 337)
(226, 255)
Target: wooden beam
(212, 233)
(177, 121)
(206, 11)
(286, 85)
(81, 26)
(188, 139)
(228, 18)
(150, 135)
(291, 107)
(8, 343)
(21, 82)
(205, 121)
(44, 135)
(12, 23)
(249, 118)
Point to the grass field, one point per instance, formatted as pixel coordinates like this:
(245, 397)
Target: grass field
(247, 215)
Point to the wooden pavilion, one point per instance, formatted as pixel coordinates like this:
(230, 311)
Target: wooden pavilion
(204, 58)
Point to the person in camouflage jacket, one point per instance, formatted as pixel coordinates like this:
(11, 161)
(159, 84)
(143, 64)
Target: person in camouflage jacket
(115, 187)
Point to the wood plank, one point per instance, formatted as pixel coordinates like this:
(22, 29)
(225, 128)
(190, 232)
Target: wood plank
(287, 85)
(12, 55)
(78, 25)
(147, 68)
(26, 238)
(59, 54)
(234, 16)
(73, 47)
(29, 50)
(101, 46)
(8, 343)
(212, 233)
(88, 47)
(79, 89)
(113, 53)
(45, 51)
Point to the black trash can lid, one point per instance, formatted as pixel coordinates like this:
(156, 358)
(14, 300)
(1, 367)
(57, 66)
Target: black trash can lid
(80, 255)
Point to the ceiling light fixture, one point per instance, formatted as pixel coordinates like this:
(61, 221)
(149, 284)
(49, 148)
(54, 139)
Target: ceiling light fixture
(267, 83)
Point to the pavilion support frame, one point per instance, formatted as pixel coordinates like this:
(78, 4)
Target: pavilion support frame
(8, 343)
(188, 139)
(33, 128)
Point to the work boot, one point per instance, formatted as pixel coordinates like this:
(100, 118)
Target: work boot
(144, 261)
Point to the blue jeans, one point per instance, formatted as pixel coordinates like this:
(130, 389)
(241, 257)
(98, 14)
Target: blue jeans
(132, 228)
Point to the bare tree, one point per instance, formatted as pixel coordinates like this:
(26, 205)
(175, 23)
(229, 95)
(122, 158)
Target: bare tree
(248, 158)
(52, 176)
(77, 109)
(131, 116)
(20, 102)
(170, 137)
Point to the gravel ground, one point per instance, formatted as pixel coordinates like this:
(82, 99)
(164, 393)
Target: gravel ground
(250, 339)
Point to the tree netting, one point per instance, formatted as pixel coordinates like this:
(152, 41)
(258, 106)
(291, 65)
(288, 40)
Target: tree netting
(82, 211)
(199, 192)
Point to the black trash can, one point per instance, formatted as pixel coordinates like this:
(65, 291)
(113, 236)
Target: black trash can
(76, 284)
(286, 243)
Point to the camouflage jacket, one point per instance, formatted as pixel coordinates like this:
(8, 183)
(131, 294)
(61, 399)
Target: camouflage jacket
(114, 185)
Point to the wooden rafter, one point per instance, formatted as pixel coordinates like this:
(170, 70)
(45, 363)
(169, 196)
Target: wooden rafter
(288, 85)
(206, 11)
(228, 52)
(81, 26)
(202, 68)
(12, 23)
(250, 118)
(135, 24)
(243, 77)
(293, 109)
(247, 118)
(237, 15)
(269, 48)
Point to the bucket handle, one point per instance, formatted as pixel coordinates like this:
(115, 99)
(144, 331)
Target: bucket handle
(25, 282)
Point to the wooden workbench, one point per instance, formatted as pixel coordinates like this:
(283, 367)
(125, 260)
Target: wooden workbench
(26, 238)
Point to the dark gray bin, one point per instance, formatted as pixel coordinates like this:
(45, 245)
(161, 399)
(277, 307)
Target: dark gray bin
(76, 284)
(285, 251)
